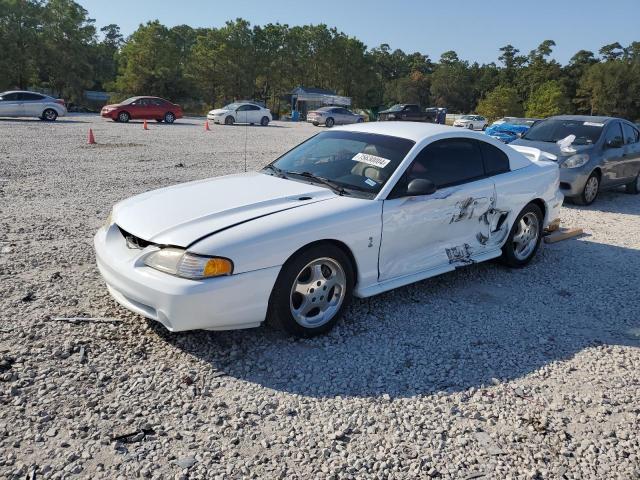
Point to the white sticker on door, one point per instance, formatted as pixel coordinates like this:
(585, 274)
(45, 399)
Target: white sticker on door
(374, 160)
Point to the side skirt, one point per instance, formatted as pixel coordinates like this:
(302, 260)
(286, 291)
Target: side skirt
(396, 282)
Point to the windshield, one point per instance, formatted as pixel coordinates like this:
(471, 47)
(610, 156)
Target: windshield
(359, 162)
(587, 133)
(129, 100)
(466, 117)
(396, 108)
(231, 106)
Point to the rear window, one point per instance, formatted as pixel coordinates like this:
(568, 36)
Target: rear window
(586, 132)
(495, 160)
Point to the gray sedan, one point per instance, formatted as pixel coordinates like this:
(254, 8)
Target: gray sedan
(594, 153)
(18, 103)
(330, 116)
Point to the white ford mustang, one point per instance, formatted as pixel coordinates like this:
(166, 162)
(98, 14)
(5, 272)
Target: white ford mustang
(357, 210)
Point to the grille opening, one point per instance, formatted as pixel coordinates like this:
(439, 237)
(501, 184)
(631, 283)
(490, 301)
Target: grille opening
(133, 241)
(565, 186)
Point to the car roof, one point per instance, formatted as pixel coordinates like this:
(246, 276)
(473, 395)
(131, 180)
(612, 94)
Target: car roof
(24, 91)
(584, 118)
(415, 131)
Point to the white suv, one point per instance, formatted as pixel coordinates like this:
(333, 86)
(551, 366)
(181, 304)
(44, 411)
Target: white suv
(241, 112)
(472, 122)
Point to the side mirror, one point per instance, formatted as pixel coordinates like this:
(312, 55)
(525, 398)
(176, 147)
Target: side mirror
(613, 144)
(420, 186)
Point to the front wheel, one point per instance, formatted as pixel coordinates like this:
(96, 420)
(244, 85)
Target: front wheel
(329, 122)
(229, 120)
(484, 127)
(590, 190)
(634, 186)
(123, 117)
(264, 121)
(49, 115)
(312, 291)
(470, 127)
(524, 238)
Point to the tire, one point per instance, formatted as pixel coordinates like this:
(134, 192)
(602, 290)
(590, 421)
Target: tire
(124, 117)
(229, 120)
(169, 118)
(590, 190)
(484, 127)
(360, 120)
(322, 270)
(329, 122)
(315, 124)
(49, 115)
(470, 127)
(528, 226)
(264, 121)
(634, 186)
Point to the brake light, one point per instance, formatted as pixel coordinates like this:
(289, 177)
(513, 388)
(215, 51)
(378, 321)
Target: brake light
(60, 101)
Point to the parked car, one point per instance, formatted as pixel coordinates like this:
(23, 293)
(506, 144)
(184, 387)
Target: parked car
(241, 112)
(593, 153)
(143, 108)
(355, 210)
(330, 116)
(408, 112)
(472, 122)
(508, 129)
(19, 103)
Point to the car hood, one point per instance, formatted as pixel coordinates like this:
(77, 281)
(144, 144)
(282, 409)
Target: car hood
(553, 148)
(113, 105)
(182, 214)
(219, 110)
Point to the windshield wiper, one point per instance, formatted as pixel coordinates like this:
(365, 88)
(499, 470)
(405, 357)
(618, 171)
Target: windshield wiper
(278, 171)
(325, 181)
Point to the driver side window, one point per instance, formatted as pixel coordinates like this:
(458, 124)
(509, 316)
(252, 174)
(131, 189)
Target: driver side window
(448, 162)
(613, 137)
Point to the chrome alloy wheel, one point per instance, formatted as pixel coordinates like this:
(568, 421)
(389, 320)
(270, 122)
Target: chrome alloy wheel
(318, 292)
(591, 189)
(526, 238)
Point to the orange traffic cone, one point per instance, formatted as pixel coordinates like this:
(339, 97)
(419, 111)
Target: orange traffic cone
(91, 140)
(144, 125)
(206, 125)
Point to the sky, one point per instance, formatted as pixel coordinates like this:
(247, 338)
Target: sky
(474, 29)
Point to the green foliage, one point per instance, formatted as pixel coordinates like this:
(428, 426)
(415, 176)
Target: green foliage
(53, 45)
(501, 102)
(547, 100)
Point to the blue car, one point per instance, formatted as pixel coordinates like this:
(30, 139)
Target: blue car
(508, 129)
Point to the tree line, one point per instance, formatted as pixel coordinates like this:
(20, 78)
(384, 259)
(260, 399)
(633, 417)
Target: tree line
(55, 46)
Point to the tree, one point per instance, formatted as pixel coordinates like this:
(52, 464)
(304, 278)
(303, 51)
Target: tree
(451, 84)
(105, 56)
(501, 102)
(547, 100)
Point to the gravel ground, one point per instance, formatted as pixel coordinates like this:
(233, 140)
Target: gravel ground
(481, 373)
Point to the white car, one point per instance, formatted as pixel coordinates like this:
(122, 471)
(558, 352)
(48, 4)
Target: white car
(241, 112)
(356, 210)
(472, 122)
(18, 103)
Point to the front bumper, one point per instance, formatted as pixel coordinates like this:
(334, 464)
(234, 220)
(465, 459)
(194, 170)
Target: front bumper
(108, 114)
(222, 303)
(573, 180)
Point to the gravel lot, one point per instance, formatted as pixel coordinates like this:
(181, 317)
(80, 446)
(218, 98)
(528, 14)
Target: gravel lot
(482, 373)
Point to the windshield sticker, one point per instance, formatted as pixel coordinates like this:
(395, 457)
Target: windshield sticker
(593, 124)
(370, 182)
(371, 160)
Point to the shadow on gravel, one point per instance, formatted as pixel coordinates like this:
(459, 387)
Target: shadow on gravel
(59, 121)
(612, 201)
(469, 328)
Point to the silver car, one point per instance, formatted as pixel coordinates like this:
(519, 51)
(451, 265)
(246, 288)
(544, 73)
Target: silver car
(594, 153)
(330, 116)
(19, 103)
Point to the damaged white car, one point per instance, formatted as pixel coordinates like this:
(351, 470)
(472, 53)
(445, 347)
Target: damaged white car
(357, 210)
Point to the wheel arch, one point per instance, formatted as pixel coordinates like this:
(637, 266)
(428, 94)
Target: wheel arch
(541, 204)
(337, 243)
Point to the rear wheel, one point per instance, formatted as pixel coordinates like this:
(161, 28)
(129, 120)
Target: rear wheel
(329, 122)
(634, 186)
(123, 117)
(524, 238)
(229, 120)
(49, 115)
(312, 291)
(264, 121)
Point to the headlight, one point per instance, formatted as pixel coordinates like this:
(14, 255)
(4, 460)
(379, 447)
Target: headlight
(576, 161)
(176, 261)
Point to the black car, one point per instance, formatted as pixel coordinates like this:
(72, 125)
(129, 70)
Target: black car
(407, 112)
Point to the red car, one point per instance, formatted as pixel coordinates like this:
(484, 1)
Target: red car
(143, 108)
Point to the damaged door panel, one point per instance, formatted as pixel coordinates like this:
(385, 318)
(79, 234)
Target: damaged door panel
(431, 231)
